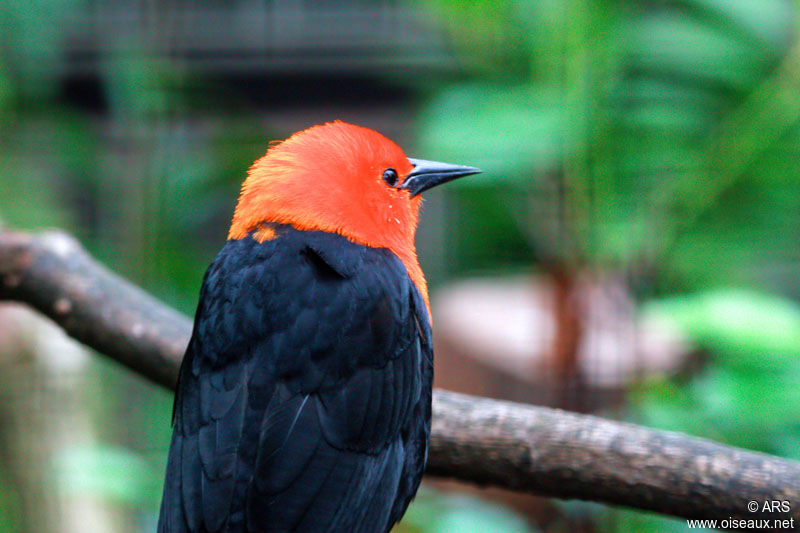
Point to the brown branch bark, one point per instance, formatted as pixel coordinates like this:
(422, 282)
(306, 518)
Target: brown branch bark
(488, 442)
(53, 273)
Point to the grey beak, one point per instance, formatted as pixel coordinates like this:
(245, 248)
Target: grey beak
(427, 174)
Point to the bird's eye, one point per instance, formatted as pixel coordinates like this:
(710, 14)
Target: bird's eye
(390, 177)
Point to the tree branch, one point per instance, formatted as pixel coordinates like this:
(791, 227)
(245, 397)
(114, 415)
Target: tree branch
(53, 273)
(521, 447)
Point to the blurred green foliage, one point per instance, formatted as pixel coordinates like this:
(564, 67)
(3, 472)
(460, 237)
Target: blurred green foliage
(435, 512)
(118, 474)
(660, 135)
(140, 187)
(658, 138)
(749, 394)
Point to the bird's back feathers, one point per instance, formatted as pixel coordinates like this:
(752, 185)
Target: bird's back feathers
(304, 397)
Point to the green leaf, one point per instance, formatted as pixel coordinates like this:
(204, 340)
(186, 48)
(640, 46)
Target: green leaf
(432, 511)
(116, 474)
(512, 134)
(681, 47)
(766, 21)
(747, 328)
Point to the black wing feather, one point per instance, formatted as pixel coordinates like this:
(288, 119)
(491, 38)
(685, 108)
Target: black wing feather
(303, 397)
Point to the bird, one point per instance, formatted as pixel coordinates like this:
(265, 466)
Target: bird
(303, 401)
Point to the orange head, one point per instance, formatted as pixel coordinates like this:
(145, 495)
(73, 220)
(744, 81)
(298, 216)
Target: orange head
(344, 179)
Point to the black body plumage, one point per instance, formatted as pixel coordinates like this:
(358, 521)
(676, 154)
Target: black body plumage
(304, 399)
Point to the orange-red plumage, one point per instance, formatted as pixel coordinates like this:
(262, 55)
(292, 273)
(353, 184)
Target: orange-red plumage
(328, 178)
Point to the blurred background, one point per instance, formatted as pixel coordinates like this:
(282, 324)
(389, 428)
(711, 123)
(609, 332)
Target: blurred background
(630, 250)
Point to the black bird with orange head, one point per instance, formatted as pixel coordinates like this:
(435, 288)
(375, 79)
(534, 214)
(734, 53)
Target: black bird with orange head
(304, 398)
